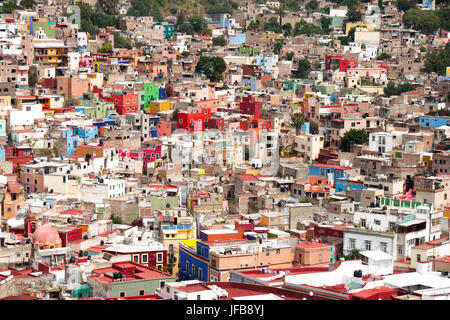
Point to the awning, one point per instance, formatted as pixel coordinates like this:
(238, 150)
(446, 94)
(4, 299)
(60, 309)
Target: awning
(82, 289)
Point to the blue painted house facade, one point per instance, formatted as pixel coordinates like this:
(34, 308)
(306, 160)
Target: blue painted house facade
(194, 263)
(322, 170)
(434, 121)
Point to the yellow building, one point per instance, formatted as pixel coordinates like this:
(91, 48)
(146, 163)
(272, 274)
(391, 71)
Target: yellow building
(360, 24)
(97, 65)
(5, 101)
(52, 55)
(308, 95)
(172, 233)
(158, 106)
(273, 36)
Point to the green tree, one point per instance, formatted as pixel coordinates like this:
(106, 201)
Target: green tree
(254, 25)
(405, 5)
(116, 219)
(298, 120)
(106, 48)
(198, 23)
(305, 200)
(108, 6)
(384, 56)
(219, 41)
(303, 68)
(392, 90)
(212, 67)
(325, 23)
(290, 56)
(273, 25)
(353, 255)
(187, 28)
(444, 17)
(28, 4)
(287, 28)
(121, 42)
(174, 115)
(314, 127)
(423, 20)
(306, 28)
(311, 6)
(437, 60)
(180, 19)
(352, 137)
(278, 46)
(353, 14)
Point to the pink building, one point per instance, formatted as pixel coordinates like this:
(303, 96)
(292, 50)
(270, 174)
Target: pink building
(341, 126)
(367, 72)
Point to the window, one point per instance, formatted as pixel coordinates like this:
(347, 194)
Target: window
(162, 284)
(377, 222)
(200, 273)
(136, 258)
(320, 257)
(352, 243)
(122, 294)
(418, 258)
(141, 292)
(400, 250)
(159, 257)
(368, 244)
(193, 270)
(187, 266)
(383, 246)
(144, 258)
(363, 223)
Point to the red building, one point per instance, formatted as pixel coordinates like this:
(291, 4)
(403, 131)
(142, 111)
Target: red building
(194, 122)
(250, 106)
(70, 234)
(164, 129)
(154, 256)
(255, 123)
(345, 64)
(125, 103)
(216, 123)
(18, 156)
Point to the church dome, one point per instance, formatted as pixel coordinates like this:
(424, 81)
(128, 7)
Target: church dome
(46, 234)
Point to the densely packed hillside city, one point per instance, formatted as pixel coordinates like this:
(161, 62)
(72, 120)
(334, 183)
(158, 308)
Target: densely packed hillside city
(224, 150)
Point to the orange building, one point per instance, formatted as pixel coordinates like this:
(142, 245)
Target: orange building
(312, 254)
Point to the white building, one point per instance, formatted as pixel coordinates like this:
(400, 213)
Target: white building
(380, 142)
(97, 190)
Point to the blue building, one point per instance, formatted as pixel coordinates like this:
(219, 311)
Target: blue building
(153, 125)
(342, 185)
(88, 133)
(269, 61)
(162, 93)
(322, 170)
(429, 4)
(237, 39)
(2, 153)
(434, 121)
(69, 138)
(106, 122)
(194, 260)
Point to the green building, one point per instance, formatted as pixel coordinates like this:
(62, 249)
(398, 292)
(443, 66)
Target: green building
(159, 203)
(135, 280)
(94, 107)
(150, 93)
